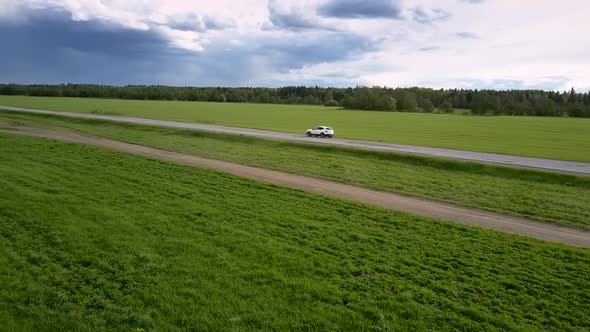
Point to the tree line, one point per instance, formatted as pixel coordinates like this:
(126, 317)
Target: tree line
(505, 102)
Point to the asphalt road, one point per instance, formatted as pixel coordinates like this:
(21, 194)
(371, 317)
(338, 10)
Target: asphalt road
(418, 206)
(493, 158)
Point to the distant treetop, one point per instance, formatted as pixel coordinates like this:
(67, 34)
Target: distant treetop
(505, 102)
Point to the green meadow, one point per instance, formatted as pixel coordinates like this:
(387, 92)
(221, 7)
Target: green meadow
(556, 138)
(92, 239)
(551, 197)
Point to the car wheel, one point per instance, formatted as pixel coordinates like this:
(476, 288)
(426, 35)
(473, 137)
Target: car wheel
(322, 135)
(330, 136)
(308, 134)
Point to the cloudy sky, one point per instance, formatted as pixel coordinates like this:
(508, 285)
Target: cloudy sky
(502, 44)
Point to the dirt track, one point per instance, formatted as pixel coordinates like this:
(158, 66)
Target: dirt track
(484, 219)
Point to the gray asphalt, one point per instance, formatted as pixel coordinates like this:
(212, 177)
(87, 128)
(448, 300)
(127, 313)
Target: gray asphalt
(493, 158)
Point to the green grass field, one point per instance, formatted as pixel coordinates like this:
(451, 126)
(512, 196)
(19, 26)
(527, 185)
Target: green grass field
(557, 138)
(92, 239)
(558, 198)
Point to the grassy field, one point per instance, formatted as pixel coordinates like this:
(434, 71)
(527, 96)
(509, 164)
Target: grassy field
(92, 239)
(558, 198)
(557, 138)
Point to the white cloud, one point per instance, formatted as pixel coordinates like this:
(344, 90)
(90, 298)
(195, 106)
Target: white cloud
(510, 45)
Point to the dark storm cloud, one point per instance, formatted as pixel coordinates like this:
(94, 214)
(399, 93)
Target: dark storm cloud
(279, 54)
(296, 52)
(361, 9)
(391, 9)
(55, 29)
(250, 62)
(292, 20)
(52, 48)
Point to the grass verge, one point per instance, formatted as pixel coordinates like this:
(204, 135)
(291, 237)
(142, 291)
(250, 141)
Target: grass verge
(557, 198)
(92, 239)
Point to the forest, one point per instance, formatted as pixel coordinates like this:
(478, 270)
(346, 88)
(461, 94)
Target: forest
(415, 99)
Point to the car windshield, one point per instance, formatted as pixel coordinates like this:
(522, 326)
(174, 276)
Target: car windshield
(328, 128)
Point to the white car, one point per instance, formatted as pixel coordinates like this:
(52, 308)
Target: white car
(321, 131)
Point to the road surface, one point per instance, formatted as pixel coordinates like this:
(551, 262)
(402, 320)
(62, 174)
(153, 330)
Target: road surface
(494, 158)
(418, 206)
